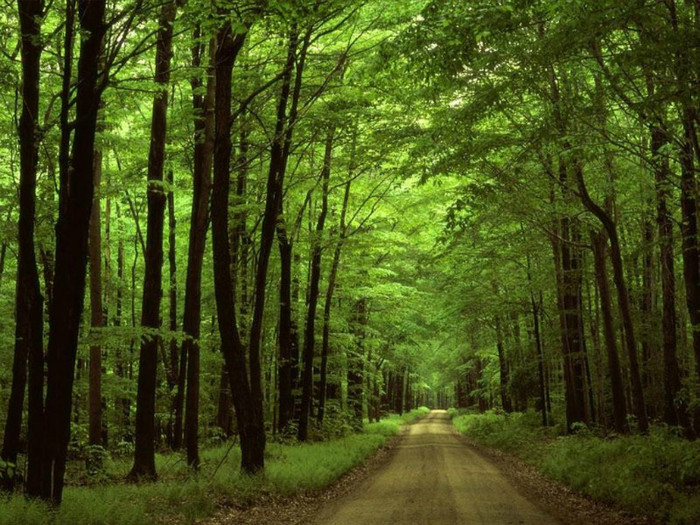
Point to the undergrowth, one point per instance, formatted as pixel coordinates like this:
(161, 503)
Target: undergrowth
(182, 496)
(657, 474)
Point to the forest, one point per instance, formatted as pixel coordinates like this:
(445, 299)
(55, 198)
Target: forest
(243, 243)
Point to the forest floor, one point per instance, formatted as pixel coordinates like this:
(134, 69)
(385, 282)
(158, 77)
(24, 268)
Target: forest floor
(433, 475)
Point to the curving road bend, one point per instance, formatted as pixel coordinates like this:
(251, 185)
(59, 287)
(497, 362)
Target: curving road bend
(434, 478)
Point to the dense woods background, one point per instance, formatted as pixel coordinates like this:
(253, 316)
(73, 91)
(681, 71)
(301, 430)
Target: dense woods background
(275, 219)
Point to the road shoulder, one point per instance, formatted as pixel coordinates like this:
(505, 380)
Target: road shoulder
(551, 496)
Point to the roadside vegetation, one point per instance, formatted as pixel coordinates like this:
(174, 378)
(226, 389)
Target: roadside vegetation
(656, 475)
(184, 496)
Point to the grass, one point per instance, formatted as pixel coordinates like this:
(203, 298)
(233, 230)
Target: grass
(657, 474)
(184, 497)
(390, 426)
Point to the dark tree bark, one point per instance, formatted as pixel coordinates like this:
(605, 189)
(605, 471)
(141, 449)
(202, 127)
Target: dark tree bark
(356, 363)
(286, 322)
(675, 410)
(689, 208)
(223, 411)
(649, 348)
(599, 241)
(535, 309)
(96, 311)
(622, 298)
(121, 369)
(327, 307)
(567, 259)
(144, 453)
(540, 357)
(29, 306)
(288, 337)
(75, 207)
(246, 393)
(199, 221)
(173, 354)
(503, 365)
(400, 387)
(314, 282)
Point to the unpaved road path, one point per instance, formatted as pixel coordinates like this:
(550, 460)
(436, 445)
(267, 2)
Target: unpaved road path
(434, 478)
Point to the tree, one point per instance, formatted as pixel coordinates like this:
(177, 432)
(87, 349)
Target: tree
(72, 230)
(144, 452)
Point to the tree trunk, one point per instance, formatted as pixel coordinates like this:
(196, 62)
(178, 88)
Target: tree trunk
(29, 306)
(356, 363)
(327, 307)
(287, 334)
(503, 367)
(567, 260)
(223, 413)
(288, 339)
(71, 255)
(675, 410)
(622, 297)
(246, 397)
(144, 453)
(689, 221)
(96, 312)
(309, 332)
(172, 368)
(599, 241)
(203, 149)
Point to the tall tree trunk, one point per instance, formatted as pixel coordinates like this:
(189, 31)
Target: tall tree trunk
(568, 267)
(144, 452)
(502, 362)
(356, 364)
(689, 220)
(75, 207)
(535, 308)
(573, 335)
(245, 392)
(288, 338)
(309, 331)
(285, 383)
(648, 317)
(622, 298)
(287, 333)
(540, 357)
(172, 368)
(223, 410)
(29, 306)
(675, 410)
(599, 241)
(96, 311)
(121, 370)
(203, 149)
(327, 307)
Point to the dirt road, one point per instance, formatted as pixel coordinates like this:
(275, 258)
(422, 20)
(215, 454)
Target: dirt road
(434, 478)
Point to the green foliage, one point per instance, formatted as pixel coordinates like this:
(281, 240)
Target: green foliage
(8, 473)
(391, 425)
(657, 474)
(184, 497)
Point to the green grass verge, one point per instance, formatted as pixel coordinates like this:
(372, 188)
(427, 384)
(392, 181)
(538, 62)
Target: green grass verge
(657, 474)
(184, 497)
